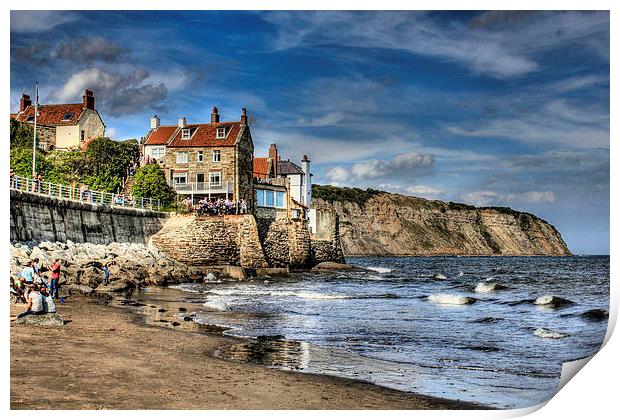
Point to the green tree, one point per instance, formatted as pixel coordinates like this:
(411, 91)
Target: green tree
(21, 134)
(107, 161)
(150, 182)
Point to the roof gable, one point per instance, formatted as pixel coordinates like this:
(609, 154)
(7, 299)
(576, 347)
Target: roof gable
(205, 135)
(286, 167)
(60, 114)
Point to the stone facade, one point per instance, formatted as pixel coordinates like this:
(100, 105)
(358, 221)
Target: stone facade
(41, 218)
(46, 137)
(326, 239)
(207, 241)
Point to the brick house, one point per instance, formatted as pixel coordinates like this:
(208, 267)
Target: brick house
(63, 126)
(204, 160)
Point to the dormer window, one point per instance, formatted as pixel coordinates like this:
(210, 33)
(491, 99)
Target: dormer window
(185, 134)
(221, 133)
(30, 119)
(67, 116)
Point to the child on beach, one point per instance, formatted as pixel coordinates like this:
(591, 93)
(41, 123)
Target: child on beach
(48, 303)
(106, 273)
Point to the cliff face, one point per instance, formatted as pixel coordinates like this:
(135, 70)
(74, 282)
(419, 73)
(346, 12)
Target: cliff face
(393, 224)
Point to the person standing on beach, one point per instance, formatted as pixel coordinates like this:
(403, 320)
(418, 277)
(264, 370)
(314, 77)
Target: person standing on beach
(55, 268)
(106, 273)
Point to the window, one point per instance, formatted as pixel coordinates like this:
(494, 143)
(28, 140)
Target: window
(200, 178)
(185, 134)
(199, 156)
(279, 199)
(182, 157)
(30, 119)
(215, 179)
(260, 197)
(81, 135)
(221, 132)
(217, 156)
(269, 199)
(67, 116)
(179, 178)
(296, 213)
(157, 152)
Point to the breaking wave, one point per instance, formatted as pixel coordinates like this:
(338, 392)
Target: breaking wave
(444, 299)
(379, 269)
(483, 287)
(552, 301)
(545, 333)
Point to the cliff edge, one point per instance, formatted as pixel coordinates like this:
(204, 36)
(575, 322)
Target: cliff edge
(378, 223)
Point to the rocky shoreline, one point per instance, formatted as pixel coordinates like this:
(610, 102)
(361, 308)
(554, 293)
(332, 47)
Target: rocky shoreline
(131, 265)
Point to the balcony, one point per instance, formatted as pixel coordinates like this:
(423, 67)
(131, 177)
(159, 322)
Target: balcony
(202, 187)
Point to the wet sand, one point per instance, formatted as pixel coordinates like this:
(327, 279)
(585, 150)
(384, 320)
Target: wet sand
(106, 357)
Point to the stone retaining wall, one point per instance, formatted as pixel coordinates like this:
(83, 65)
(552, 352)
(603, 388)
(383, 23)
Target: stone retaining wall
(43, 218)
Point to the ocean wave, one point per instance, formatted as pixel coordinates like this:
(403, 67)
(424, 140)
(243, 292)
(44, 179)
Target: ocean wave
(545, 333)
(483, 287)
(439, 276)
(302, 295)
(445, 299)
(379, 269)
(488, 320)
(216, 304)
(552, 301)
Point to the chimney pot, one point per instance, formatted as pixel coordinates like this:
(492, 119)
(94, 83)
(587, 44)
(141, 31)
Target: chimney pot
(24, 102)
(244, 116)
(215, 117)
(182, 122)
(154, 122)
(89, 99)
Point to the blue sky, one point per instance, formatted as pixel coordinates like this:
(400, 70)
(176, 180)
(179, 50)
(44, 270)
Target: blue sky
(488, 108)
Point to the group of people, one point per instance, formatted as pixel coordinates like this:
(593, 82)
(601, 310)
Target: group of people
(30, 287)
(218, 207)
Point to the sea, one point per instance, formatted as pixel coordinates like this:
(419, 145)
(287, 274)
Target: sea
(489, 330)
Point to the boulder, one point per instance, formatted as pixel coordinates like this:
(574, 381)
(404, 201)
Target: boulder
(73, 289)
(41, 320)
(117, 286)
(234, 272)
(273, 272)
(334, 266)
(90, 276)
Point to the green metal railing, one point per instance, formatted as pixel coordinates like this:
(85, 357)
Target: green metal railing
(76, 193)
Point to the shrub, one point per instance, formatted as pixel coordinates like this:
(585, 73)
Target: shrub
(150, 181)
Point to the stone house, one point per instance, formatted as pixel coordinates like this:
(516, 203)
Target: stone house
(204, 160)
(63, 126)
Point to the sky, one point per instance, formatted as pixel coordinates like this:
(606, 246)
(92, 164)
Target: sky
(488, 108)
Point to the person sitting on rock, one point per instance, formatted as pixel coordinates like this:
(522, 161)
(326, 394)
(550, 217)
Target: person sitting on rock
(35, 303)
(48, 303)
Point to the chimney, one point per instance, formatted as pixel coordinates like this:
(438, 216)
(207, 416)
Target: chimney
(24, 102)
(154, 122)
(307, 181)
(273, 158)
(215, 117)
(89, 99)
(182, 122)
(244, 116)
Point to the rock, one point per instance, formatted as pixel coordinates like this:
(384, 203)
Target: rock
(234, 272)
(117, 286)
(333, 266)
(41, 320)
(90, 276)
(596, 315)
(182, 309)
(273, 272)
(76, 289)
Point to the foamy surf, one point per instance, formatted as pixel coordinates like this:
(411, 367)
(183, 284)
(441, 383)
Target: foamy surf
(552, 301)
(444, 299)
(439, 276)
(379, 269)
(483, 287)
(545, 333)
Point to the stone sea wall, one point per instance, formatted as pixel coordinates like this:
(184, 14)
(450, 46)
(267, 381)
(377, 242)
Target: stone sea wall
(42, 218)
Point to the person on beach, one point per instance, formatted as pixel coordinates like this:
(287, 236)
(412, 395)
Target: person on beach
(28, 273)
(106, 273)
(48, 302)
(55, 269)
(35, 303)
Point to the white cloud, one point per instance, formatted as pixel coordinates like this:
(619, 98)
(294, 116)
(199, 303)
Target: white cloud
(401, 165)
(424, 191)
(488, 198)
(503, 51)
(28, 21)
(328, 119)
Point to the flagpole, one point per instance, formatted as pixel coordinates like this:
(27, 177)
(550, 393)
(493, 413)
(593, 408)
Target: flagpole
(34, 144)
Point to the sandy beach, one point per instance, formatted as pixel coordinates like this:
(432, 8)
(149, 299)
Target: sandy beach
(106, 357)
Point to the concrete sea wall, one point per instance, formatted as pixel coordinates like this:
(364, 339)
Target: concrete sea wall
(37, 217)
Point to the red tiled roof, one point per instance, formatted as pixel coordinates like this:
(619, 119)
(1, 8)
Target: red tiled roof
(261, 167)
(204, 135)
(53, 114)
(161, 135)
